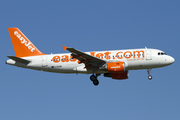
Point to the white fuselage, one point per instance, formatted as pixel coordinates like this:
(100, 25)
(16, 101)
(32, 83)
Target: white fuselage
(134, 59)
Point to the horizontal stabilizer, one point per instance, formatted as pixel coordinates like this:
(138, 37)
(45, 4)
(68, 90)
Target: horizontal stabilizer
(19, 59)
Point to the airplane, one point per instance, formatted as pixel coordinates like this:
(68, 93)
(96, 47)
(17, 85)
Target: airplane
(114, 64)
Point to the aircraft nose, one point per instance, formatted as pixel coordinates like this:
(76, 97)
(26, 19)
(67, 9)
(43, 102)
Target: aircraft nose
(171, 60)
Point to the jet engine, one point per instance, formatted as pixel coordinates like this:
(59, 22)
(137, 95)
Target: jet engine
(114, 67)
(115, 70)
(118, 76)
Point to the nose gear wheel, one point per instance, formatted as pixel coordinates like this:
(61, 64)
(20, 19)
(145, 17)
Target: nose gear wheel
(149, 71)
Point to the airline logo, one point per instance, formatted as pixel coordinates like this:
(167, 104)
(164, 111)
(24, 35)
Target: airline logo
(116, 67)
(23, 41)
(119, 55)
(56, 59)
(129, 55)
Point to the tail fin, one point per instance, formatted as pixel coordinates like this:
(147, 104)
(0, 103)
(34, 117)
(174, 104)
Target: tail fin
(22, 45)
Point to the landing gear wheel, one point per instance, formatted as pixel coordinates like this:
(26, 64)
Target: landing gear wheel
(96, 82)
(149, 71)
(149, 77)
(93, 77)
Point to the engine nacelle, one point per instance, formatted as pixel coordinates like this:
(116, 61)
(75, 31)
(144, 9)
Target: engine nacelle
(118, 76)
(114, 67)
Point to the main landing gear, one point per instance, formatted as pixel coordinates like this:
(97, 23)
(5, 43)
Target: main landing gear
(94, 79)
(149, 71)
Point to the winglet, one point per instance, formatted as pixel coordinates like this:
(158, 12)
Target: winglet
(64, 47)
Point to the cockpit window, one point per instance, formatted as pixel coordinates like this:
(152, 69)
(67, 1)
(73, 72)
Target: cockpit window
(161, 53)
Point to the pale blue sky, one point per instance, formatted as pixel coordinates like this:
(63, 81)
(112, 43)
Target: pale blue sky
(88, 26)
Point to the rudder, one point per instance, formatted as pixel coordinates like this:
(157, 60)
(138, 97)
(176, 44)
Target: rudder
(22, 45)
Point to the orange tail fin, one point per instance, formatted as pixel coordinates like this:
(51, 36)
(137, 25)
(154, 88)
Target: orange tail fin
(22, 45)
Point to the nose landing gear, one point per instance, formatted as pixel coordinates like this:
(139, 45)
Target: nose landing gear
(149, 77)
(94, 79)
(149, 71)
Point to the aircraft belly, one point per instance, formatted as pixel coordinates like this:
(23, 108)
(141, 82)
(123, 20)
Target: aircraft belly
(144, 64)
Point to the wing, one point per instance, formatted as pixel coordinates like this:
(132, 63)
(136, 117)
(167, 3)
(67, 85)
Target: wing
(89, 60)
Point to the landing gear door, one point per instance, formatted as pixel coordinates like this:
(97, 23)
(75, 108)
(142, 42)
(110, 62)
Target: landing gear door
(148, 55)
